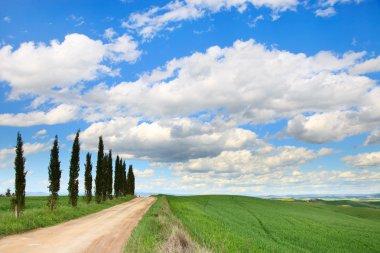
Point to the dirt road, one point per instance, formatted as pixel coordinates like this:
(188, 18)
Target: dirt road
(105, 231)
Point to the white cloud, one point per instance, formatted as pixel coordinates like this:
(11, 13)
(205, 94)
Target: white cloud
(38, 68)
(109, 33)
(328, 12)
(363, 160)
(327, 6)
(324, 127)
(143, 173)
(327, 151)
(33, 148)
(325, 3)
(7, 154)
(168, 17)
(319, 95)
(60, 114)
(167, 140)
(7, 19)
(279, 182)
(212, 156)
(40, 134)
(149, 23)
(265, 160)
(337, 125)
(369, 66)
(373, 138)
(240, 79)
(123, 48)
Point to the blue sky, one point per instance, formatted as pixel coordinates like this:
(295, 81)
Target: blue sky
(251, 97)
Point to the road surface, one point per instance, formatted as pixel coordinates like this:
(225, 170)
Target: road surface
(105, 231)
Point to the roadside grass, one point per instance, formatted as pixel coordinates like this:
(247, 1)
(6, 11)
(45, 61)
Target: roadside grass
(246, 224)
(160, 231)
(37, 213)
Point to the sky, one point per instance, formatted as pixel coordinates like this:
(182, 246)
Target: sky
(250, 97)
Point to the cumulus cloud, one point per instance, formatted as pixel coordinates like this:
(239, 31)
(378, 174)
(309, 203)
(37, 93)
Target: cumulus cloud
(318, 94)
(373, 138)
(363, 160)
(369, 66)
(36, 68)
(143, 173)
(337, 125)
(167, 140)
(265, 160)
(213, 154)
(279, 182)
(150, 22)
(123, 48)
(109, 33)
(212, 81)
(6, 154)
(324, 127)
(60, 114)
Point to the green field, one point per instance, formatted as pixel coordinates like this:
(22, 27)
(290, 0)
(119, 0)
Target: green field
(37, 214)
(246, 224)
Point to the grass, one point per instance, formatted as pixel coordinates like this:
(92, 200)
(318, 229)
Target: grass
(245, 224)
(160, 231)
(360, 209)
(37, 214)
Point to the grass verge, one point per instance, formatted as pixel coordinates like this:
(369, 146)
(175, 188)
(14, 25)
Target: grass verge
(160, 231)
(38, 215)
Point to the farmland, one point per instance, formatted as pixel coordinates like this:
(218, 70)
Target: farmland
(246, 224)
(37, 213)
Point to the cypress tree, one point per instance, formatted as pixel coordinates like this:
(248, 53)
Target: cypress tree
(54, 175)
(124, 179)
(116, 184)
(105, 177)
(131, 181)
(88, 178)
(74, 172)
(109, 175)
(99, 171)
(20, 174)
(121, 178)
(8, 193)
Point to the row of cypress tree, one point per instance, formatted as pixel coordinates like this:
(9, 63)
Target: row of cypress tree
(104, 183)
(122, 184)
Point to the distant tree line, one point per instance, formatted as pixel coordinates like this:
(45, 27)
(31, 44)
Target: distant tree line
(108, 184)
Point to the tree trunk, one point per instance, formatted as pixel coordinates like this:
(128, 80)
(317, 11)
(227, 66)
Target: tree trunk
(17, 213)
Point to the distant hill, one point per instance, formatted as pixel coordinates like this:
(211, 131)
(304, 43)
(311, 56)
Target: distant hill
(325, 196)
(37, 194)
